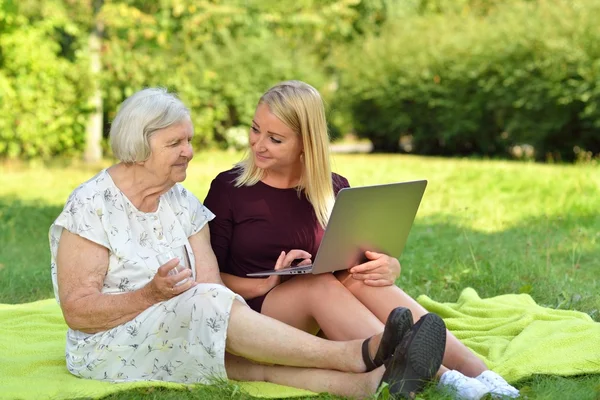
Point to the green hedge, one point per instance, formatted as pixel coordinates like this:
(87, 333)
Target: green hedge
(220, 83)
(451, 78)
(526, 73)
(43, 89)
(219, 56)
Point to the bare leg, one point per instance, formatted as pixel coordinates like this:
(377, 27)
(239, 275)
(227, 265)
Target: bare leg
(381, 300)
(310, 302)
(264, 339)
(326, 305)
(317, 380)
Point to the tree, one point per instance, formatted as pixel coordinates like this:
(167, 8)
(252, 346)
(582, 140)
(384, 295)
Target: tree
(94, 128)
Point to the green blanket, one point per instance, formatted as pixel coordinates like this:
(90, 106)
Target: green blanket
(515, 336)
(518, 338)
(32, 360)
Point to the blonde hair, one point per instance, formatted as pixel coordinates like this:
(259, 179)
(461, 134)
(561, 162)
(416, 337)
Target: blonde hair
(139, 117)
(300, 107)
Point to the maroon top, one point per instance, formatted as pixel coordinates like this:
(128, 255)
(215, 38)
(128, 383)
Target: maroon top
(253, 224)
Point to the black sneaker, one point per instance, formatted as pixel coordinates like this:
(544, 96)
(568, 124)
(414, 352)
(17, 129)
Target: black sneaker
(417, 358)
(397, 325)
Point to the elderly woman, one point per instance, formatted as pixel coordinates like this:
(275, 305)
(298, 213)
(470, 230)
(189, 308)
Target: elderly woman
(131, 318)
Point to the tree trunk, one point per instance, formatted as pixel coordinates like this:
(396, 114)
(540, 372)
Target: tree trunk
(384, 144)
(93, 137)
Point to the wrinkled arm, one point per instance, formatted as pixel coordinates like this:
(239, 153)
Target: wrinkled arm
(221, 230)
(207, 268)
(81, 268)
(221, 227)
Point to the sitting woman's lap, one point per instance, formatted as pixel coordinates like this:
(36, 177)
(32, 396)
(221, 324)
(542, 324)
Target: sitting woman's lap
(179, 340)
(313, 302)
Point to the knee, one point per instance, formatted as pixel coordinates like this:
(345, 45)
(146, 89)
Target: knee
(326, 283)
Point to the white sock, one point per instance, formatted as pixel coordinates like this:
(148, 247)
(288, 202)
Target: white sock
(465, 388)
(497, 385)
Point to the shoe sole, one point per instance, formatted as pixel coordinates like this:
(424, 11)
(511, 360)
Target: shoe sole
(420, 353)
(399, 323)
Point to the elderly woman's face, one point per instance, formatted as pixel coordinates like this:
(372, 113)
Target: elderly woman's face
(171, 151)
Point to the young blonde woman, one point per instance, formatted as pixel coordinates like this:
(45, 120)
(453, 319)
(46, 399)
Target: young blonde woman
(279, 198)
(132, 319)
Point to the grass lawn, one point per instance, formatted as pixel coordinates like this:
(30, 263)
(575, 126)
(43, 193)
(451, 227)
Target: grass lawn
(497, 226)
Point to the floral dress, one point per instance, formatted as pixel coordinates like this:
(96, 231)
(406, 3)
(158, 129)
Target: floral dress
(179, 340)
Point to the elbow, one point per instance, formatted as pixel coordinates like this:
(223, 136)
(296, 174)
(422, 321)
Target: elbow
(75, 318)
(70, 315)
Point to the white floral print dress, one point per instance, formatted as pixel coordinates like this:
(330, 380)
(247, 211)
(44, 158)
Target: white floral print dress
(179, 340)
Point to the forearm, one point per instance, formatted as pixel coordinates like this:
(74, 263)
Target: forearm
(209, 275)
(97, 312)
(248, 288)
(207, 268)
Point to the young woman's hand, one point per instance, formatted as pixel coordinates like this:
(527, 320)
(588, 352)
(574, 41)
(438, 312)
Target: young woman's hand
(285, 261)
(380, 270)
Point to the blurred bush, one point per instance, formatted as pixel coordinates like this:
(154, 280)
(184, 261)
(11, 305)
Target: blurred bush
(219, 56)
(480, 80)
(219, 59)
(514, 78)
(43, 88)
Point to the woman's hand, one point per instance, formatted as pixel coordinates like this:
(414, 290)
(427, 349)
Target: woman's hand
(285, 261)
(381, 270)
(82, 266)
(163, 286)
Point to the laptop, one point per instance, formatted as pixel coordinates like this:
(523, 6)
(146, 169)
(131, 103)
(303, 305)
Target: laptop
(376, 218)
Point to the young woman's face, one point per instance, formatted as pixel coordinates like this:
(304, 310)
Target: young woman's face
(274, 145)
(170, 152)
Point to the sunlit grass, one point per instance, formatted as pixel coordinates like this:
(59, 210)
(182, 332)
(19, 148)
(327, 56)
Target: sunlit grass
(497, 226)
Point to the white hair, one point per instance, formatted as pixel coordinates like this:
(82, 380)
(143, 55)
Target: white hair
(139, 117)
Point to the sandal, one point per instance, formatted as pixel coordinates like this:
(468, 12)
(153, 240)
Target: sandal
(398, 323)
(417, 358)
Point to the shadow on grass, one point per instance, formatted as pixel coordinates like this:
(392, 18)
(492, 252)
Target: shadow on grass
(556, 260)
(24, 250)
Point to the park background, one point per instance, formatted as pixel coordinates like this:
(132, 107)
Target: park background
(495, 102)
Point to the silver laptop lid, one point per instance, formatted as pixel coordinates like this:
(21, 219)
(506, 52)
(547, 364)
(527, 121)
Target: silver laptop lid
(376, 218)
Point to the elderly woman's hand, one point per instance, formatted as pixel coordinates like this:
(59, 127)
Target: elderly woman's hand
(164, 286)
(381, 270)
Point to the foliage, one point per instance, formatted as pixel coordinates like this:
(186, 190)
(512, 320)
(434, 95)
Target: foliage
(221, 81)
(41, 82)
(464, 84)
(485, 77)
(221, 56)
